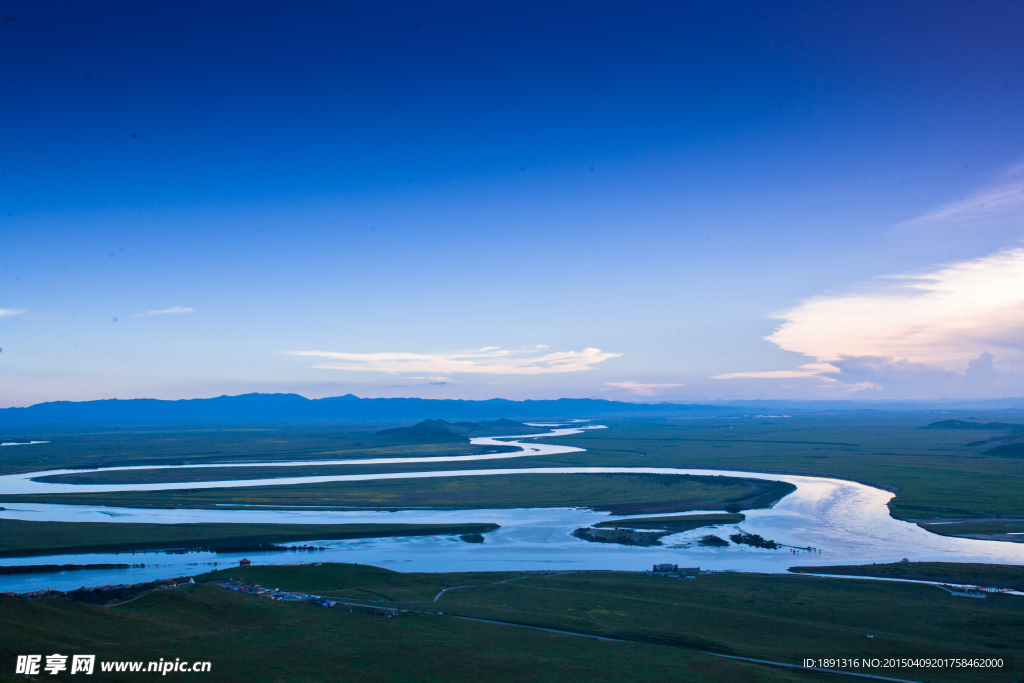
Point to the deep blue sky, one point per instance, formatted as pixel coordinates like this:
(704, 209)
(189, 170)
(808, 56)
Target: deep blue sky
(650, 179)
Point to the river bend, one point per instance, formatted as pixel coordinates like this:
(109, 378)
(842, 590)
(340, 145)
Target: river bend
(845, 522)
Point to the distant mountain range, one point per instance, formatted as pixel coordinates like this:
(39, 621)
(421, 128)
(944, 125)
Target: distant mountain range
(264, 408)
(255, 408)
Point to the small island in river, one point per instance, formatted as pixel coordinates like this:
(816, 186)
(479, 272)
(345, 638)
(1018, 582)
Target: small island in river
(647, 531)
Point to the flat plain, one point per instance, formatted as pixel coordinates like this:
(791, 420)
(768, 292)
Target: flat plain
(951, 481)
(957, 477)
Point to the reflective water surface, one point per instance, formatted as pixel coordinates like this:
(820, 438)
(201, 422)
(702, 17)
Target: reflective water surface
(844, 522)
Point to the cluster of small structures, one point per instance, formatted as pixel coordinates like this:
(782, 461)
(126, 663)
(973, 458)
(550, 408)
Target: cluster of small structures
(273, 593)
(675, 570)
(278, 594)
(385, 611)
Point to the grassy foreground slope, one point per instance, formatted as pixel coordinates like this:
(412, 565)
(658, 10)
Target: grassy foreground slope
(618, 493)
(251, 639)
(21, 538)
(664, 619)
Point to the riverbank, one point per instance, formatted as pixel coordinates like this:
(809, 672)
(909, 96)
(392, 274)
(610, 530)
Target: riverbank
(24, 539)
(1010, 530)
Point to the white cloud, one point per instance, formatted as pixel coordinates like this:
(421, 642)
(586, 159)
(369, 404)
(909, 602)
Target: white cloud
(488, 361)
(170, 311)
(4, 312)
(942, 318)
(807, 370)
(641, 389)
(926, 334)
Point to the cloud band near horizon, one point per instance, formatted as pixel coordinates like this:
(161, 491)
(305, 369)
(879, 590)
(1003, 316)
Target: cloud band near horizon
(487, 361)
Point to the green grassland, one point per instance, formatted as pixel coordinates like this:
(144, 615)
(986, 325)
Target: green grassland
(200, 445)
(666, 621)
(21, 538)
(617, 493)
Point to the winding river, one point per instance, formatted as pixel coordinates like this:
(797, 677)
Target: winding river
(845, 522)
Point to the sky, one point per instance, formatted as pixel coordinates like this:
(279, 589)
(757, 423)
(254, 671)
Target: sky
(653, 201)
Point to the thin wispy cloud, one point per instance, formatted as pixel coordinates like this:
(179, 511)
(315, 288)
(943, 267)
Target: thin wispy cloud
(174, 310)
(5, 312)
(807, 370)
(999, 206)
(641, 389)
(487, 361)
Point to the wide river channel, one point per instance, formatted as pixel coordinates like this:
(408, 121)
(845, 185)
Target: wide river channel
(843, 521)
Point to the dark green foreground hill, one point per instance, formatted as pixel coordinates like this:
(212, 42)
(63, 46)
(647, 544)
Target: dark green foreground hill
(668, 625)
